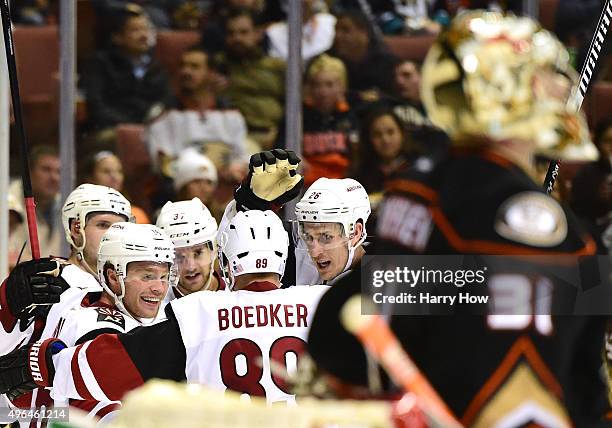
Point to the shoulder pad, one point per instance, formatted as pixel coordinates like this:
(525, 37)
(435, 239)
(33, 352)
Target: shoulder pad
(532, 218)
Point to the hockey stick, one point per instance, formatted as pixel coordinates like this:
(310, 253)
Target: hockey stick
(378, 339)
(577, 96)
(23, 146)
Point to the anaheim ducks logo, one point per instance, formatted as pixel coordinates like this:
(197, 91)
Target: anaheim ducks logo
(532, 218)
(111, 315)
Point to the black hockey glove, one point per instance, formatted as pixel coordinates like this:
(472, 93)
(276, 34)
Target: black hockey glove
(272, 181)
(28, 367)
(35, 282)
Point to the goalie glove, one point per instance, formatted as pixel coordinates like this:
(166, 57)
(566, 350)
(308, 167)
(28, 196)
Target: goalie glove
(31, 283)
(272, 181)
(28, 367)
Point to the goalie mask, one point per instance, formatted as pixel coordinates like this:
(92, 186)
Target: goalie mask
(504, 77)
(126, 243)
(327, 218)
(88, 199)
(253, 242)
(192, 230)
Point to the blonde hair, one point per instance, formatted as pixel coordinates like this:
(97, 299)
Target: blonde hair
(328, 63)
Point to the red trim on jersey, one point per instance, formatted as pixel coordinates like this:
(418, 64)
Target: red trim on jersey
(112, 366)
(89, 405)
(7, 319)
(219, 280)
(107, 409)
(77, 378)
(261, 286)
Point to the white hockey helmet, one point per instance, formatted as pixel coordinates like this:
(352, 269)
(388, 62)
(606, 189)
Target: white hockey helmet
(335, 200)
(124, 243)
(253, 242)
(187, 223)
(89, 198)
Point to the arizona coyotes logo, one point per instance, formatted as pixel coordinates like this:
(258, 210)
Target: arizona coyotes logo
(111, 315)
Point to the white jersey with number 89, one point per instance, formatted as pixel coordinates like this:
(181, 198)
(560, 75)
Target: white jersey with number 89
(230, 338)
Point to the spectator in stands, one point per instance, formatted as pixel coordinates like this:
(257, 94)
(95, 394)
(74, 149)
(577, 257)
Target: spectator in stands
(591, 192)
(407, 105)
(385, 148)
(255, 81)
(159, 11)
(317, 33)
(195, 175)
(124, 83)
(369, 65)
(197, 91)
(105, 169)
(45, 175)
(213, 35)
(30, 12)
(330, 127)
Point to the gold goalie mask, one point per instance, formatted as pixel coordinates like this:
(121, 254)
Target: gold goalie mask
(504, 77)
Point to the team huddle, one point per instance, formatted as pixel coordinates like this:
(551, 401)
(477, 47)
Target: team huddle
(190, 300)
(140, 273)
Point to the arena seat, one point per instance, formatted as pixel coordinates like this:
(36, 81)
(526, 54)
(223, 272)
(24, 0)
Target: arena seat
(171, 45)
(547, 13)
(132, 150)
(37, 57)
(413, 48)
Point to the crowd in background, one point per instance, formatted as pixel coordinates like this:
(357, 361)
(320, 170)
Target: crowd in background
(362, 113)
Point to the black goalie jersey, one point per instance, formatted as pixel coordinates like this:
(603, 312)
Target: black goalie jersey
(524, 370)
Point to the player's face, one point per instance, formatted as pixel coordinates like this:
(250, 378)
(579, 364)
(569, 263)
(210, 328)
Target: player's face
(327, 247)
(386, 137)
(109, 172)
(326, 90)
(146, 285)
(194, 265)
(95, 226)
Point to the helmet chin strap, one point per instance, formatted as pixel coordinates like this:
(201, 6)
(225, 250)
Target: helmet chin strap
(81, 257)
(351, 252)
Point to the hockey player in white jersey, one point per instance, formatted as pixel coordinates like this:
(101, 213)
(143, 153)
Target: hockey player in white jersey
(87, 213)
(192, 230)
(134, 265)
(331, 228)
(223, 340)
(331, 218)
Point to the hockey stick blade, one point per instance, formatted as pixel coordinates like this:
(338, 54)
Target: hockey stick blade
(378, 339)
(578, 93)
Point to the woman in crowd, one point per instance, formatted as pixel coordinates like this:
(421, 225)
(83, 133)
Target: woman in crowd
(105, 169)
(385, 149)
